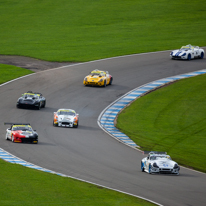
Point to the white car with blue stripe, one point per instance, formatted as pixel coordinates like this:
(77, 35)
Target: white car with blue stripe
(188, 52)
(159, 162)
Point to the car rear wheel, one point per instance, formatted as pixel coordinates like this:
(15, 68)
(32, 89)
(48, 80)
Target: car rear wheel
(105, 83)
(189, 57)
(142, 166)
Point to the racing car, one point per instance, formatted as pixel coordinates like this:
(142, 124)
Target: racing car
(188, 52)
(98, 78)
(159, 162)
(66, 118)
(21, 132)
(31, 99)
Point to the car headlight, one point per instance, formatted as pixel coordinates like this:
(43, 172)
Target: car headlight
(171, 53)
(155, 165)
(184, 54)
(100, 80)
(85, 79)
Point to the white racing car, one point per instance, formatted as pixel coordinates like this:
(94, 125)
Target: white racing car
(188, 52)
(159, 162)
(66, 118)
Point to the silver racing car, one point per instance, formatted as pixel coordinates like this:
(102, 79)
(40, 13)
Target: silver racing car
(159, 162)
(66, 118)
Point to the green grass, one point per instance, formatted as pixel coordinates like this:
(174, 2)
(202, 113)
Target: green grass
(87, 29)
(171, 119)
(8, 72)
(23, 186)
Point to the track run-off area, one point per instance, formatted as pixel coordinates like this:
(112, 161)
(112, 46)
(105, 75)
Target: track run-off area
(88, 152)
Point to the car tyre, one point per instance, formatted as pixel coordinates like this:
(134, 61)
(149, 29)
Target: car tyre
(189, 57)
(105, 83)
(201, 55)
(39, 106)
(44, 104)
(149, 170)
(110, 82)
(142, 166)
(76, 126)
(12, 138)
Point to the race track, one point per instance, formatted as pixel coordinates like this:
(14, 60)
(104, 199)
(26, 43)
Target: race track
(88, 152)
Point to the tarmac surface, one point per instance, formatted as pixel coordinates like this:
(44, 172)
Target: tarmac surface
(88, 152)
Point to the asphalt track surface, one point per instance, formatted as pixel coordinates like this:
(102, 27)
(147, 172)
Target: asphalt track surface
(88, 152)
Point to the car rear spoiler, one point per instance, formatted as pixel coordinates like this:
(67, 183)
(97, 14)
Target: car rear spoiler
(11, 123)
(153, 152)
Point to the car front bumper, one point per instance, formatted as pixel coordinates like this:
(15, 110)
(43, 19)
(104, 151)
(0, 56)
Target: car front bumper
(93, 83)
(165, 170)
(178, 57)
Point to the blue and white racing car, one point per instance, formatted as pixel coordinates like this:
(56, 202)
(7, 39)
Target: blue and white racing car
(188, 52)
(159, 162)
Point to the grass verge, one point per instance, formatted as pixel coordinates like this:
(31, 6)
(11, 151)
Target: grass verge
(85, 30)
(171, 119)
(8, 72)
(25, 186)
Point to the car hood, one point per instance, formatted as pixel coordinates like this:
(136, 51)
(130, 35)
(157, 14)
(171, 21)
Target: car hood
(165, 163)
(66, 117)
(179, 52)
(93, 78)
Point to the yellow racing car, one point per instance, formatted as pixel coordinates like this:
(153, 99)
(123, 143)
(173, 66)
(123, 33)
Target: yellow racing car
(98, 78)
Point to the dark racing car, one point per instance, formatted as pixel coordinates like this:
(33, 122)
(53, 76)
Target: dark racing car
(31, 100)
(21, 132)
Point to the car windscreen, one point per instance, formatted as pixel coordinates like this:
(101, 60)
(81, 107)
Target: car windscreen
(158, 157)
(30, 96)
(66, 113)
(23, 128)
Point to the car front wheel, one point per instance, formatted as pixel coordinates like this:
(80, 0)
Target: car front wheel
(75, 126)
(12, 138)
(55, 125)
(189, 57)
(44, 104)
(142, 166)
(110, 82)
(202, 55)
